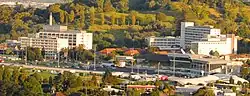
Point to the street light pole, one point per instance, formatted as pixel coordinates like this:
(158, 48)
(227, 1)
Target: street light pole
(94, 56)
(174, 63)
(26, 55)
(58, 57)
(158, 68)
(138, 72)
(132, 68)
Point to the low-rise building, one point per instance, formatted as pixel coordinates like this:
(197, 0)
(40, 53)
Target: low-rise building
(3, 46)
(164, 43)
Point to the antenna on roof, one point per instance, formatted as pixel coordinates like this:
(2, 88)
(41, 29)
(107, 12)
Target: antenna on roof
(50, 19)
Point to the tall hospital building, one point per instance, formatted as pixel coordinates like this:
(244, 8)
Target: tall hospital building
(201, 39)
(55, 37)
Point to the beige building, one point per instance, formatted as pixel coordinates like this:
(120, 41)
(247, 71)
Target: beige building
(224, 44)
(51, 45)
(75, 37)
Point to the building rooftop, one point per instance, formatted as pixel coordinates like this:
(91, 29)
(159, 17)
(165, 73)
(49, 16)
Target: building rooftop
(212, 60)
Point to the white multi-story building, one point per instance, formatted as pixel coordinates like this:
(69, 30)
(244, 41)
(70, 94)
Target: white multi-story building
(51, 45)
(164, 43)
(75, 37)
(223, 45)
(191, 33)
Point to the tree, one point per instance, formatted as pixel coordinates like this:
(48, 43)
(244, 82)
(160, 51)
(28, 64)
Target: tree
(62, 16)
(211, 52)
(158, 83)
(102, 19)
(51, 80)
(9, 51)
(168, 89)
(133, 17)
(23, 76)
(161, 16)
(1, 72)
(121, 5)
(108, 7)
(6, 74)
(204, 91)
(71, 16)
(113, 19)
(155, 93)
(92, 15)
(244, 72)
(15, 75)
(231, 80)
(43, 52)
(123, 20)
(216, 53)
(33, 86)
(37, 76)
(108, 78)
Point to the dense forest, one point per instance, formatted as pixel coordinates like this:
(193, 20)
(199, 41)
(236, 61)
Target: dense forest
(126, 23)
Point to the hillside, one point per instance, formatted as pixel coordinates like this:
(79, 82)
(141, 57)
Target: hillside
(126, 23)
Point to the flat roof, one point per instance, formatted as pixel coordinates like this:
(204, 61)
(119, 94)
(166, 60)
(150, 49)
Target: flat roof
(212, 60)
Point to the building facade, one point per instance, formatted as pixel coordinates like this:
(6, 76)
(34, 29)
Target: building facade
(164, 43)
(223, 44)
(75, 37)
(191, 33)
(51, 45)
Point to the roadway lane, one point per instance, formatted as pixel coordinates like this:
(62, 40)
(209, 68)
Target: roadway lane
(99, 70)
(125, 69)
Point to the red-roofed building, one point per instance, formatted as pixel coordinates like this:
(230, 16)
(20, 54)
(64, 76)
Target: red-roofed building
(3, 46)
(131, 52)
(107, 51)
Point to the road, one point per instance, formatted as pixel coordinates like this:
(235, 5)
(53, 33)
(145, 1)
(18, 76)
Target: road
(99, 69)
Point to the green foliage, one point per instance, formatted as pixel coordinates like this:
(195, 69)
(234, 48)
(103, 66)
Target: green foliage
(108, 7)
(71, 16)
(92, 15)
(214, 53)
(231, 80)
(34, 54)
(204, 92)
(6, 74)
(9, 51)
(32, 86)
(244, 72)
(108, 78)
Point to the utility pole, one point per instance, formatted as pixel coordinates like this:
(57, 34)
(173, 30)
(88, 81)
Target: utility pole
(158, 68)
(94, 56)
(138, 72)
(58, 57)
(132, 68)
(26, 55)
(174, 63)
